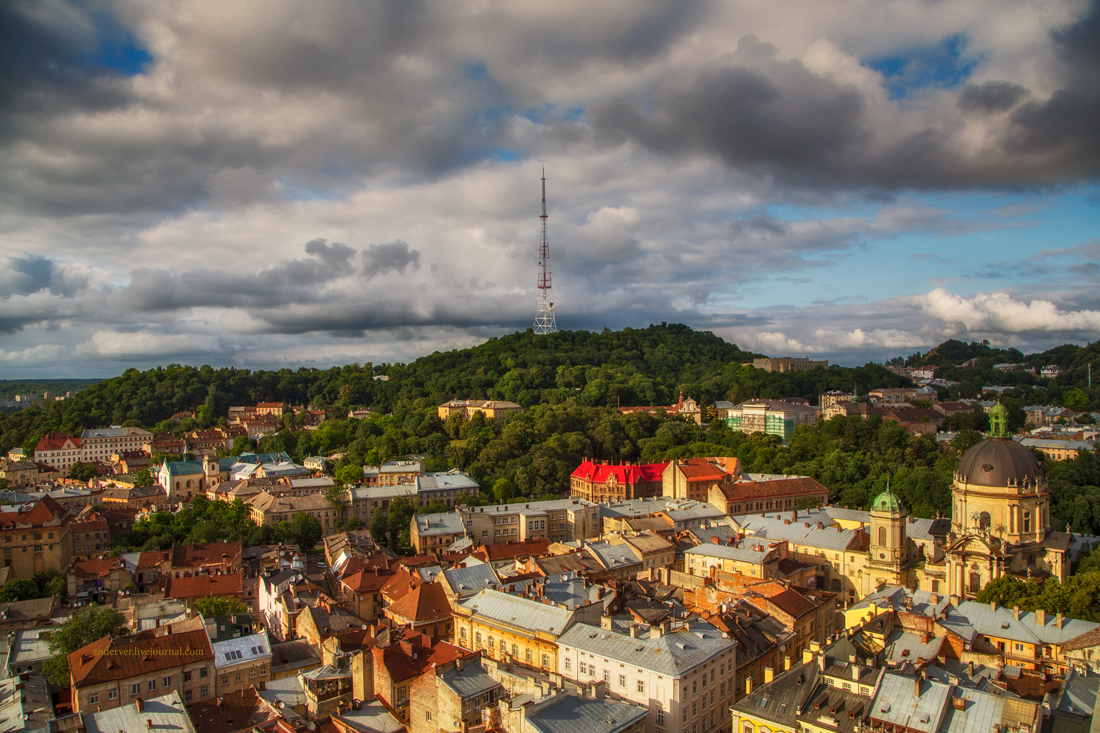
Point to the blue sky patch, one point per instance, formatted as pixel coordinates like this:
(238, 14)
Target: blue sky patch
(940, 66)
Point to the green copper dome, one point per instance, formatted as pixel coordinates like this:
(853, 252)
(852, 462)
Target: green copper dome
(998, 421)
(887, 501)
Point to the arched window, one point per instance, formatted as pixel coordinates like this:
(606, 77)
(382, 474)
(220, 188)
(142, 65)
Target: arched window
(189, 483)
(882, 535)
(984, 520)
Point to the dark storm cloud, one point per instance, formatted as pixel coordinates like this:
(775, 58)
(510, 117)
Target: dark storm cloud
(284, 283)
(992, 96)
(393, 257)
(803, 129)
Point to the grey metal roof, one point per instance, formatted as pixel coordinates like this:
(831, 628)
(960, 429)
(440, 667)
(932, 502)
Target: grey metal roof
(972, 618)
(639, 507)
(519, 613)
(448, 480)
(828, 538)
(287, 689)
(466, 581)
(533, 507)
(672, 654)
(240, 650)
(574, 714)
(981, 711)
(378, 493)
(613, 556)
(445, 523)
(371, 718)
(165, 712)
(897, 703)
(896, 597)
(905, 646)
(750, 551)
(1079, 695)
(28, 647)
(473, 680)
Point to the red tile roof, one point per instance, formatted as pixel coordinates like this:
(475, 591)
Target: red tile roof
(510, 550)
(93, 567)
(624, 474)
(793, 603)
(232, 712)
(198, 555)
(414, 655)
(199, 586)
(367, 581)
(108, 660)
(56, 441)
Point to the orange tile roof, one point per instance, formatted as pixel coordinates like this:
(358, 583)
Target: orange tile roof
(367, 581)
(199, 586)
(93, 567)
(108, 660)
(44, 510)
(746, 490)
(421, 605)
(793, 603)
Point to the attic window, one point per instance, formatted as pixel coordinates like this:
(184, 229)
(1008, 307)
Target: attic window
(763, 702)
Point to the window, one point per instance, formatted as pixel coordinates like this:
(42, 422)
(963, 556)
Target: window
(167, 681)
(503, 647)
(660, 716)
(111, 694)
(569, 664)
(695, 710)
(641, 686)
(152, 685)
(607, 676)
(187, 696)
(252, 673)
(462, 633)
(203, 692)
(490, 643)
(400, 694)
(528, 655)
(694, 687)
(584, 668)
(427, 715)
(622, 680)
(93, 698)
(545, 660)
(202, 675)
(135, 689)
(477, 637)
(515, 650)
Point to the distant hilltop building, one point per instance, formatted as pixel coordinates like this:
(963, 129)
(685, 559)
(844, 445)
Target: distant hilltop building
(688, 408)
(492, 409)
(788, 364)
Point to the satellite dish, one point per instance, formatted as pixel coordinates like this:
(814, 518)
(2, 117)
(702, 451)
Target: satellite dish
(312, 726)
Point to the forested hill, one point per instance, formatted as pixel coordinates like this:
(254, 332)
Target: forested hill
(648, 366)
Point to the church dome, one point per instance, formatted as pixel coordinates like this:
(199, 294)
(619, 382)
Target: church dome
(999, 462)
(887, 501)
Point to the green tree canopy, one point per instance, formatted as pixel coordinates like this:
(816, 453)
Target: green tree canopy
(211, 606)
(87, 624)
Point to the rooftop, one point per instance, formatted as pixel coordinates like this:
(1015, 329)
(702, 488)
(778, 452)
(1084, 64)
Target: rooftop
(674, 653)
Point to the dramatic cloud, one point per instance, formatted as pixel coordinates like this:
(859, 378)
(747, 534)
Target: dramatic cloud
(199, 181)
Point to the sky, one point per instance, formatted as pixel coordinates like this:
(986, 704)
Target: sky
(290, 184)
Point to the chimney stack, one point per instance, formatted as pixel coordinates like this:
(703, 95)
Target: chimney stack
(786, 662)
(140, 704)
(769, 675)
(916, 687)
(1040, 617)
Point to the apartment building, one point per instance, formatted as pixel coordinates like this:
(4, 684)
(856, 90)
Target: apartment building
(495, 410)
(788, 364)
(270, 510)
(683, 673)
(241, 663)
(772, 417)
(59, 451)
(35, 538)
(559, 520)
(602, 482)
(99, 444)
(109, 673)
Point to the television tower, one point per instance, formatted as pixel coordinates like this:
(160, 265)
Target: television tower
(544, 307)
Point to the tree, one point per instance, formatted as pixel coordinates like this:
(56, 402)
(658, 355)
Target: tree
(211, 606)
(305, 531)
(503, 490)
(19, 589)
(378, 525)
(144, 477)
(349, 475)
(82, 472)
(88, 624)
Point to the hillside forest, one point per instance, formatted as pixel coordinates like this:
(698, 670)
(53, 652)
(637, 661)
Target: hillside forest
(571, 383)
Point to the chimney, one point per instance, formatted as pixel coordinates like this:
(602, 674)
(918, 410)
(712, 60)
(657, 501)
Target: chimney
(1016, 612)
(748, 685)
(140, 704)
(916, 687)
(821, 661)
(1040, 617)
(1058, 620)
(970, 669)
(993, 607)
(634, 631)
(933, 598)
(807, 656)
(769, 675)
(786, 662)
(820, 525)
(716, 540)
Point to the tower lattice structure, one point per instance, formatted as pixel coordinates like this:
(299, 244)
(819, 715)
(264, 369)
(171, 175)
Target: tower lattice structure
(544, 307)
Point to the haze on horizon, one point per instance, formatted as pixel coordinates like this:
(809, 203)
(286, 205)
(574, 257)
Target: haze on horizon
(339, 182)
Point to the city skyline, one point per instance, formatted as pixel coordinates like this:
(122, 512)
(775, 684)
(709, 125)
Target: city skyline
(339, 183)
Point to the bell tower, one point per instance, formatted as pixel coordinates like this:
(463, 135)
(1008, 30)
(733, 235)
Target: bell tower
(888, 547)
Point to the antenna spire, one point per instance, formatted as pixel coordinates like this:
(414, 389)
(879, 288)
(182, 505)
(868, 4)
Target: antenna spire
(544, 307)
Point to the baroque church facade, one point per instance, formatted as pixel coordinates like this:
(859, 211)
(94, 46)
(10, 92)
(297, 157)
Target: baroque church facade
(1000, 525)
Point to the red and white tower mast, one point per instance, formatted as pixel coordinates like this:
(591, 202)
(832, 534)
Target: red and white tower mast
(544, 307)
